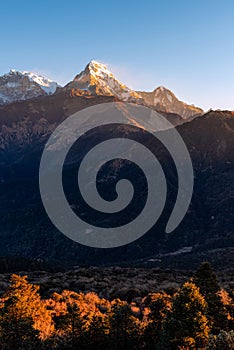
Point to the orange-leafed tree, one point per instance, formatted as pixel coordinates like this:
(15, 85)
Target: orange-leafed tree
(24, 318)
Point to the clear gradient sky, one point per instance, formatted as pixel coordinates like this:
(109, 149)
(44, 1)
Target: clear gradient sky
(187, 46)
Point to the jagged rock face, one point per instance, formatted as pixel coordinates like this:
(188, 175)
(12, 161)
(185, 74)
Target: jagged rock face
(97, 79)
(19, 86)
(164, 100)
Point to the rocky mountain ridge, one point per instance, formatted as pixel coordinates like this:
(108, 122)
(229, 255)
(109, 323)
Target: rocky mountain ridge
(164, 100)
(94, 80)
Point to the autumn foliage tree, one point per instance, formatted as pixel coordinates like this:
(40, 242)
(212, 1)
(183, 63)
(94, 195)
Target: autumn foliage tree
(24, 319)
(79, 320)
(83, 321)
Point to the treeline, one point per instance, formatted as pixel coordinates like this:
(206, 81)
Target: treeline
(199, 315)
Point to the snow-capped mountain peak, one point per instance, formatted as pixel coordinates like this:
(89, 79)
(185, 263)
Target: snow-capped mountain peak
(48, 85)
(17, 86)
(97, 79)
(98, 69)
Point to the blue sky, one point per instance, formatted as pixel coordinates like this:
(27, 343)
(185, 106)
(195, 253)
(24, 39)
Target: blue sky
(187, 46)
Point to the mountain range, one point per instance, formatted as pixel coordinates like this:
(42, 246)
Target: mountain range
(32, 107)
(95, 79)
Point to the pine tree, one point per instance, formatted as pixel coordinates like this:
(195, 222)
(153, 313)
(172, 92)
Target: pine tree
(209, 287)
(186, 325)
(76, 323)
(125, 329)
(159, 304)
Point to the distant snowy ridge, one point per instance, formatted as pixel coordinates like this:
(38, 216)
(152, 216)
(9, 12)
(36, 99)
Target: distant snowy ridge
(49, 86)
(18, 86)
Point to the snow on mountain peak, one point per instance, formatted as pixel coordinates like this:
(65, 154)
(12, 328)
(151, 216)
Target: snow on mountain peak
(19, 86)
(99, 69)
(49, 86)
(96, 78)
